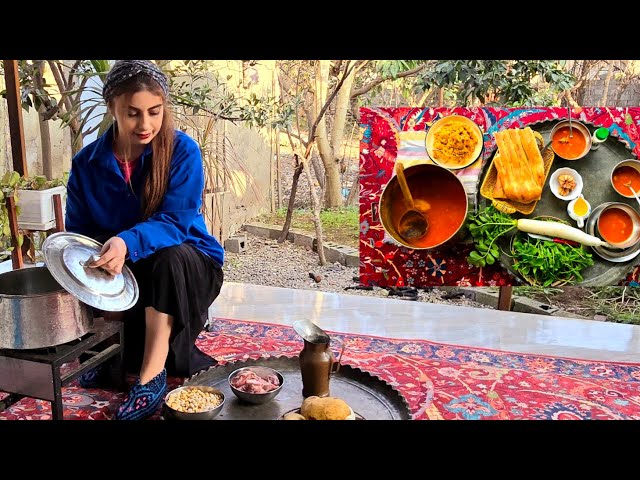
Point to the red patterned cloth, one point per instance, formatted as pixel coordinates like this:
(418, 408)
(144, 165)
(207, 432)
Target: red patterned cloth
(386, 264)
(439, 381)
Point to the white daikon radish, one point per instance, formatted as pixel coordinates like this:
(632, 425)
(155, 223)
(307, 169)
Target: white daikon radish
(559, 230)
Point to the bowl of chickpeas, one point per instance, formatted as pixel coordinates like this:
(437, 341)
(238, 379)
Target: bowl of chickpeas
(196, 402)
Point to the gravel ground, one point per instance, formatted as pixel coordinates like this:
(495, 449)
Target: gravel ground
(266, 262)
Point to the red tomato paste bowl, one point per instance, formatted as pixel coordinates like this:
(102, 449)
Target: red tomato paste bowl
(572, 145)
(252, 397)
(619, 225)
(435, 188)
(625, 172)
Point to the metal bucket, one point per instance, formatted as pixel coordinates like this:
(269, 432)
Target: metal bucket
(36, 312)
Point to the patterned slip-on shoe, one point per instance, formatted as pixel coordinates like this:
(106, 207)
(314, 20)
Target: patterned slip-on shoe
(143, 400)
(95, 378)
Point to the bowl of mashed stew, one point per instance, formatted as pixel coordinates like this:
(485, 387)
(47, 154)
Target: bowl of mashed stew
(454, 142)
(619, 225)
(570, 143)
(624, 174)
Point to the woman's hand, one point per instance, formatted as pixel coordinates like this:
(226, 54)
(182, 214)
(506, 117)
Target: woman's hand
(112, 256)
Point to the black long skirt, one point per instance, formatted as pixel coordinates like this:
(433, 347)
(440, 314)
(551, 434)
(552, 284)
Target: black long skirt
(180, 281)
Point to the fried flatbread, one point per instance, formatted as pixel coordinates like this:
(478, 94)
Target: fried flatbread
(530, 146)
(498, 191)
(514, 172)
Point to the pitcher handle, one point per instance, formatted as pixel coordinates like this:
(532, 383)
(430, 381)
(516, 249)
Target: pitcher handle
(337, 362)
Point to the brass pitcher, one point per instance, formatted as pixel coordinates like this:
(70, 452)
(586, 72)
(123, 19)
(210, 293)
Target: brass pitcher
(317, 362)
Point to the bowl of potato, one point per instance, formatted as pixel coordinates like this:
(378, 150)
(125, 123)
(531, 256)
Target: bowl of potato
(322, 408)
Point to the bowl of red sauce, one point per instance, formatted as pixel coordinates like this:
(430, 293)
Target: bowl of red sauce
(619, 225)
(439, 195)
(570, 143)
(625, 173)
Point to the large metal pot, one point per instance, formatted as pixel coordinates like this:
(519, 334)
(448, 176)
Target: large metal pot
(36, 312)
(438, 187)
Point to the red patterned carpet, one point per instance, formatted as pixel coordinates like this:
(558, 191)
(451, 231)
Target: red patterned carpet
(466, 383)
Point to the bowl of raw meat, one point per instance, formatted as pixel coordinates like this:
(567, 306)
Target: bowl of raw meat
(256, 384)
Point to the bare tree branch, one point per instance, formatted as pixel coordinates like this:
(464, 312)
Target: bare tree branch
(57, 75)
(374, 83)
(607, 82)
(426, 96)
(72, 71)
(285, 84)
(348, 69)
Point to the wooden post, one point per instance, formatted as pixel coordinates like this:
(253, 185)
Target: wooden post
(504, 298)
(57, 208)
(16, 254)
(278, 168)
(14, 109)
(272, 173)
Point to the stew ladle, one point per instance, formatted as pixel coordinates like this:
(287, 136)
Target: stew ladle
(413, 224)
(570, 127)
(635, 194)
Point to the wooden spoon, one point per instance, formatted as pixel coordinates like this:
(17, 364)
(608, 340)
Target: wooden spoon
(413, 224)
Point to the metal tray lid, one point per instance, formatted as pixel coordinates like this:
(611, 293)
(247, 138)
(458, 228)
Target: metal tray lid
(65, 254)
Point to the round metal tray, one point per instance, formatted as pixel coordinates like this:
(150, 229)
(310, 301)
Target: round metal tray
(595, 169)
(369, 396)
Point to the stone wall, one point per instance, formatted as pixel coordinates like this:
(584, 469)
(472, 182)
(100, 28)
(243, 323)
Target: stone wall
(247, 190)
(248, 154)
(595, 90)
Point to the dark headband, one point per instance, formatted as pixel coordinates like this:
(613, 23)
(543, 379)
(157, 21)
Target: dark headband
(123, 70)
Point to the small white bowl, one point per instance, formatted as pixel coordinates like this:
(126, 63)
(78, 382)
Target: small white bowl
(554, 185)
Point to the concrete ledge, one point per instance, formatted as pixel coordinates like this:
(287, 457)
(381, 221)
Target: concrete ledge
(481, 295)
(518, 303)
(262, 230)
(333, 252)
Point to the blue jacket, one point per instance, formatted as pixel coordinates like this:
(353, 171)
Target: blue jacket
(101, 204)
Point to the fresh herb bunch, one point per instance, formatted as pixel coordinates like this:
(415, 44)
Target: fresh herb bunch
(545, 263)
(39, 182)
(485, 228)
(10, 182)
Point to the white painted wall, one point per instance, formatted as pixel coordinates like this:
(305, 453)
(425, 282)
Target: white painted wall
(60, 142)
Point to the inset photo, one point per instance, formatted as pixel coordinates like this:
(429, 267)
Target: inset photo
(491, 196)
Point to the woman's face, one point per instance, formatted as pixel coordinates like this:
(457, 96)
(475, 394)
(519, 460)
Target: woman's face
(139, 117)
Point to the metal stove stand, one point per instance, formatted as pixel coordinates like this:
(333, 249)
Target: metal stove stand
(37, 373)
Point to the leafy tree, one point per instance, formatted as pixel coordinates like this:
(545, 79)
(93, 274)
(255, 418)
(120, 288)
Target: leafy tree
(500, 82)
(73, 98)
